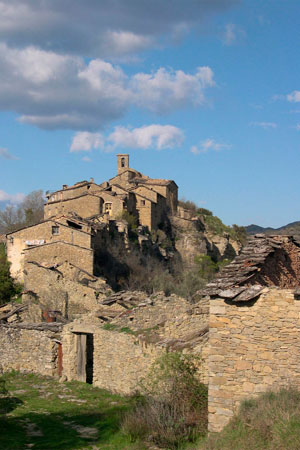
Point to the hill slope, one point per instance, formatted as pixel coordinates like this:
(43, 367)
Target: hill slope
(290, 228)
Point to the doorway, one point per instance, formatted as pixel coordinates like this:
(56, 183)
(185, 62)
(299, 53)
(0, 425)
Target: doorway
(85, 357)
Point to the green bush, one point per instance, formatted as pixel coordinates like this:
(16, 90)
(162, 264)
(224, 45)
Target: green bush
(173, 408)
(130, 219)
(204, 212)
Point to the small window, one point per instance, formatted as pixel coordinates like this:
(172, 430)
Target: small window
(107, 206)
(55, 230)
(123, 162)
(143, 203)
(11, 240)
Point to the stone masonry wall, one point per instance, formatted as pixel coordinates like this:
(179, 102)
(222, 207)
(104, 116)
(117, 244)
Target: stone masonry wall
(41, 231)
(120, 359)
(54, 291)
(84, 206)
(28, 350)
(253, 347)
(58, 252)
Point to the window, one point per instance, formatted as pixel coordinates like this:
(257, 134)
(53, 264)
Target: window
(108, 208)
(123, 162)
(55, 229)
(143, 203)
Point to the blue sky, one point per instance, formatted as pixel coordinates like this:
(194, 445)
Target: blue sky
(205, 93)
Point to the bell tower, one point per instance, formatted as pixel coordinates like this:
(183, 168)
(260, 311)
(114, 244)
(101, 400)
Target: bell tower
(123, 162)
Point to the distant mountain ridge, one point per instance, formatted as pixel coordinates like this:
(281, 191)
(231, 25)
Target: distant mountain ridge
(290, 228)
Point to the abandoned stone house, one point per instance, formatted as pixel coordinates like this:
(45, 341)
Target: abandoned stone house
(73, 217)
(254, 326)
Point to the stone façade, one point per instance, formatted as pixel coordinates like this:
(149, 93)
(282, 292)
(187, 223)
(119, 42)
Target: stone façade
(254, 325)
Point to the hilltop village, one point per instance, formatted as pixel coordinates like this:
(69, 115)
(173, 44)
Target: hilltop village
(74, 215)
(243, 326)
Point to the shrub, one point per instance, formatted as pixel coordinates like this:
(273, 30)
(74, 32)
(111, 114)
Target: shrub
(173, 409)
(204, 212)
(130, 219)
(187, 204)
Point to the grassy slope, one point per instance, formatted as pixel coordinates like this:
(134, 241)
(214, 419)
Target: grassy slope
(57, 410)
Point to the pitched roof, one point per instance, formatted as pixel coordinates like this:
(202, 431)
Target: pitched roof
(244, 278)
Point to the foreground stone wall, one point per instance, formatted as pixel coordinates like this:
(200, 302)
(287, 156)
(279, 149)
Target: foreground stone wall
(120, 359)
(28, 350)
(253, 347)
(125, 349)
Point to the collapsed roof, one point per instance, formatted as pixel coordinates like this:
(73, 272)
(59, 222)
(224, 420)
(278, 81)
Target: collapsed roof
(264, 261)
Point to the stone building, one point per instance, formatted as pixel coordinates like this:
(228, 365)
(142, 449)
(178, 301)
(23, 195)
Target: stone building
(254, 325)
(150, 200)
(71, 230)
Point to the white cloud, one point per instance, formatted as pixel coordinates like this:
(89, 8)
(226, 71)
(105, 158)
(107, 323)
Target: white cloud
(53, 91)
(11, 198)
(100, 29)
(232, 34)
(164, 91)
(208, 145)
(4, 153)
(154, 136)
(294, 97)
(265, 125)
(85, 141)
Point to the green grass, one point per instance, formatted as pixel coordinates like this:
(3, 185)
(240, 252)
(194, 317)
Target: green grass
(58, 410)
(270, 422)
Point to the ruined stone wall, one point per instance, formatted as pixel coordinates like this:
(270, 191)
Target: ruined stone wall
(73, 191)
(59, 252)
(53, 290)
(253, 347)
(16, 243)
(120, 359)
(28, 350)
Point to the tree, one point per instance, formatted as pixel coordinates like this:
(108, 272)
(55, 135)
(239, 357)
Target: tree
(7, 287)
(29, 212)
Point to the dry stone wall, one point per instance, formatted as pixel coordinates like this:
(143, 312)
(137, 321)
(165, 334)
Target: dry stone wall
(120, 359)
(139, 330)
(253, 347)
(28, 350)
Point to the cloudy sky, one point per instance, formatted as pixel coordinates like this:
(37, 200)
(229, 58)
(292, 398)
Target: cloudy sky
(205, 92)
